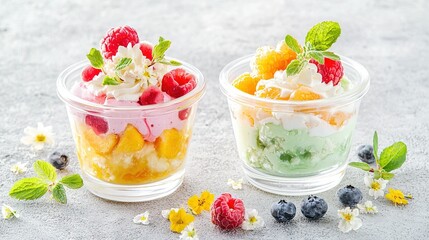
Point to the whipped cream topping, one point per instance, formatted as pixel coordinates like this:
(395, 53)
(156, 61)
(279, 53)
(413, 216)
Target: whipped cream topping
(308, 77)
(136, 77)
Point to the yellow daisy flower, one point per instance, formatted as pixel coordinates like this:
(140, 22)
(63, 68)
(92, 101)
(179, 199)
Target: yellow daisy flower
(179, 220)
(199, 204)
(396, 196)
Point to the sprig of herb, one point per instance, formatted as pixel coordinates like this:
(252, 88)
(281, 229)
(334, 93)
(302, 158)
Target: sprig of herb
(158, 53)
(391, 158)
(46, 180)
(318, 40)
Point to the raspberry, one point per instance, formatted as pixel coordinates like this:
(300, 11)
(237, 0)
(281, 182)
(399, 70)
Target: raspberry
(116, 37)
(146, 49)
(227, 212)
(89, 73)
(98, 124)
(152, 95)
(331, 71)
(246, 83)
(178, 82)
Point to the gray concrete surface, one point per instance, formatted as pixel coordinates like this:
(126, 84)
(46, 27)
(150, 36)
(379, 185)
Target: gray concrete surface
(38, 39)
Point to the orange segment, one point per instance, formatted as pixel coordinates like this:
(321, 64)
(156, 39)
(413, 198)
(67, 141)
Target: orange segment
(170, 143)
(101, 144)
(270, 92)
(246, 83)
(130, 141)
(287, 55)
(337, 119)
(303, 94)
(266, 62)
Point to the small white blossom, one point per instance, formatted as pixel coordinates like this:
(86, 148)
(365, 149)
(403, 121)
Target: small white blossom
(166, 213)
(38, 137)
(8, 212)
(235, 184)
(189, 233)
(376, 186)
(252, 220)
(142, 218)
(19, 168)
(349, 220)
(367, 207)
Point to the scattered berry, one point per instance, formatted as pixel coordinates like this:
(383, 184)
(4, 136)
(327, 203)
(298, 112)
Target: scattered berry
(349, 196)
(314, 207)
(178, 82)
(89, 73)
(152, 95)
(227, 212)
(98, 124)
(184, 114)
(283, 211)
(146, 49)
(116, 37)
(266, 62)
(246, 83)
(366, 154)
(58, 160)
(331, 71)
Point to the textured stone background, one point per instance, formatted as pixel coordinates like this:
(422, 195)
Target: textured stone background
(39, 39)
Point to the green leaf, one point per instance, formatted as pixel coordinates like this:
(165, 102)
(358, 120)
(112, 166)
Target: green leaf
(294, 67)
(159, 49)
(111, 81)
(375, 145)
(330, 55)
(45, 170)
(172, 63)
(393, 157)
(124, 62)
(360, 165)
(293, 44)
(29, 189)
(323, 35)
(59, 193)
(317, 56)
(387, 175)
(73, 181)
(95, 58)
(377, 174)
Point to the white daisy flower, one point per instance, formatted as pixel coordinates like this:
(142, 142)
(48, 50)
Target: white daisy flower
(252, 220)
(8, 212)
(166, 213)
(367, 207)
(349, 220)
(19, 168)
(235, 184)
(189, 233)
(38, 137)
(142, 218)
(376, 186)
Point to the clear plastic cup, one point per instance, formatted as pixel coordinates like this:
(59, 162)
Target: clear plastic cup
(142, 155)
(294, 147)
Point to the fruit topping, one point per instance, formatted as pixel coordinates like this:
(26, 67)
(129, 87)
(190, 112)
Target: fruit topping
(98, 124)
(331, 70)
(227, 212)
(304, 93)
(314, 207)
(246, 83)
(89, 73)
(115, 37)
(58, 160)
(130, 141)
(146, 49)
(366, 153)
(266, 62)
(169, 144)
(152, 95)
(178, 82)
(270, 92)
(283, 211)
(349, 196)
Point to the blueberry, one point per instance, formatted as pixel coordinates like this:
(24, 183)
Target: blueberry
(366, 154)
(283, 211)
(58, 160)
(314, 207)
(349, 196)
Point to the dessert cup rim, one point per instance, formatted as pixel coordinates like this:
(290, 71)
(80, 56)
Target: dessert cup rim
(182, 102)
(235, 94)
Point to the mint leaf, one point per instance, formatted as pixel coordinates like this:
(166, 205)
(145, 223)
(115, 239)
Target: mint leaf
(387, 175)
(294, 67)
(377, 174)
(293, 44)
(73, 181)
(45, 170)
(172, 63)
(393, 157)
(59, 193)
(375, 146)
(159, 49)
(95, 58)
(323, 35)
(111, 81)
(330, 55)
(29, 189)
(124, 62)
(317, 56)
(360, 165)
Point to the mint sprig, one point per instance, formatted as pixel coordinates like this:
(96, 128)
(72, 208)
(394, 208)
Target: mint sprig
(107, 80)
(391, 158)
(319, 39)
(158, 53)
(123, 63)
(46, 180)
(95, 58)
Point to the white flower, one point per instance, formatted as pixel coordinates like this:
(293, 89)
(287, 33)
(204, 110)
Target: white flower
(189, 233)
(38, 137)
(19, 168)
(142, 218)
(349, 220)
(235, 184)
(376, 186)
(367, 207)
(166, 213)
(252, 220)
(8, 212)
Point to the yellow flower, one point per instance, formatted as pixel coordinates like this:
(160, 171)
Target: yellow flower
(199, 204)
(179, 220)
(396, 196)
